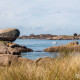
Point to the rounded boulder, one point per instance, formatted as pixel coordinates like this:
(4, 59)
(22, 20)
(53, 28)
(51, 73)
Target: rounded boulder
(10, 34)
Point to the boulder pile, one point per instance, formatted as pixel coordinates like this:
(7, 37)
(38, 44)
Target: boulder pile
(10, 53)
(9, 50)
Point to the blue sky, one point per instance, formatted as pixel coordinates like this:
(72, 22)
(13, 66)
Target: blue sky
(41, 16)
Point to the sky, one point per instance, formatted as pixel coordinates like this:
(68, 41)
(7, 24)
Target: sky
(61, 17)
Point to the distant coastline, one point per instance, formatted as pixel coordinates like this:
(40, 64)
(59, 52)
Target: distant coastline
(51, 37)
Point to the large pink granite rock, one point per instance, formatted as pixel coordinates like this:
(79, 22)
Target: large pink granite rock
(9, 34)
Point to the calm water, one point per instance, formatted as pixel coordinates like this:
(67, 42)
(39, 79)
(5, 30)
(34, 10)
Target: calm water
(40, 45)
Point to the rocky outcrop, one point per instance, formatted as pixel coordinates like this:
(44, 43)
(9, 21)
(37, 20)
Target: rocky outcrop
(20, 48)
(26, 60)
(50, 37)
(41, 36)
(8, 59)
(73, 43)
(8, 50)
(44, 61)
(10, 34)
(72, 46)
(7, 47)
(11, 52)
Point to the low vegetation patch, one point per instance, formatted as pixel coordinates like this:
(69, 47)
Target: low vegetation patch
(64, 68)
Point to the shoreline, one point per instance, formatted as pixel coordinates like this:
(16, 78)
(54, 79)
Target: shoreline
(50, 37)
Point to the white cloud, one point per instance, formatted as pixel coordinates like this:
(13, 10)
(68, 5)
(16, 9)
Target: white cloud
(47, 14)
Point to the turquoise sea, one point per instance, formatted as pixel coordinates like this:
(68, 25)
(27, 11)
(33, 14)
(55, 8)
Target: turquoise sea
(40, 45)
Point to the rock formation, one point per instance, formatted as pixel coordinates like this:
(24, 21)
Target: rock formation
(51, 37)
(9, 51)
(7, 59)
(73, 43)
(18, 47)
(9, 34)
(44, 61)
(72, 46)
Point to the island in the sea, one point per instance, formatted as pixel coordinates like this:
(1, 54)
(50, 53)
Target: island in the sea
(51, 37)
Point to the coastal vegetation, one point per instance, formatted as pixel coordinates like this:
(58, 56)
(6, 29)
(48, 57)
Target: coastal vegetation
(63, 68)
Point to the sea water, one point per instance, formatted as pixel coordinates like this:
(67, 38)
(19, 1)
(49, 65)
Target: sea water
(39, 45)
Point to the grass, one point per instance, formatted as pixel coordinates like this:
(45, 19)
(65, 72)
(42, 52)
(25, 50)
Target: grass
(64, 68)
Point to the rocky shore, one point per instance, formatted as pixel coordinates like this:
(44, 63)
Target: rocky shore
(14, 67)
(70, 47)
(51, 37)
(10, 51)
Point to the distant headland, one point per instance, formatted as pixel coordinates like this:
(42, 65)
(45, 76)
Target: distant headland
(75, 36)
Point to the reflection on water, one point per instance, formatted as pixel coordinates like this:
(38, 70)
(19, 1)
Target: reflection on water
(40, 45)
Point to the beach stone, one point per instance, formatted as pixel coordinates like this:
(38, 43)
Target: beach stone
(10, 34)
